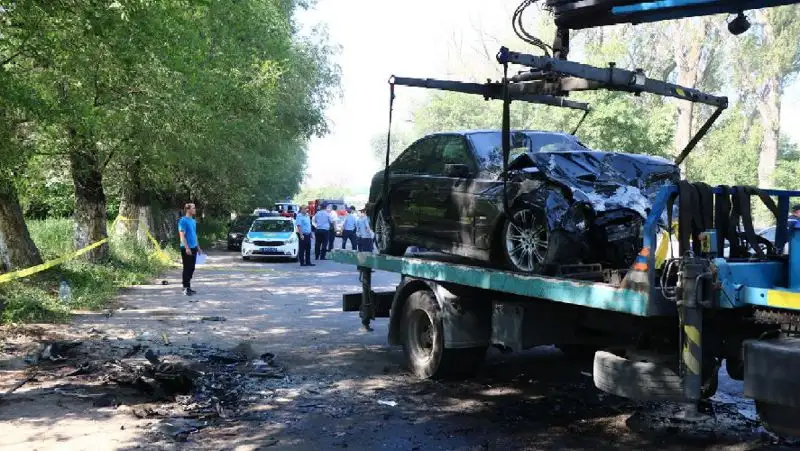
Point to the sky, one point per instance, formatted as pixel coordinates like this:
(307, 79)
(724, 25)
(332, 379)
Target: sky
(413, 38)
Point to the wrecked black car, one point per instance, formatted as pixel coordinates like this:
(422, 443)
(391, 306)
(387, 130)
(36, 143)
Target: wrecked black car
(569, 204)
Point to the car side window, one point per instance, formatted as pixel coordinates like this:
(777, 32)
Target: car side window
(418, 158)
(455, 151)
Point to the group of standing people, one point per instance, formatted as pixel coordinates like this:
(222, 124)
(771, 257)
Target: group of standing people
(355, 228)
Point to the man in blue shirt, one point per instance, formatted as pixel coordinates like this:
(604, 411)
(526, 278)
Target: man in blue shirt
(349, 229)
(304, 233)
(322, 221)
(364, 232)
(190, 247)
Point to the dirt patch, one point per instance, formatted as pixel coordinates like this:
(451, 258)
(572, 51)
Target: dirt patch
(52, 377)
(287, 369)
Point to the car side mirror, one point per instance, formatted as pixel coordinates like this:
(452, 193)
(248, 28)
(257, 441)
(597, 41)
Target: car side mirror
(457, 170)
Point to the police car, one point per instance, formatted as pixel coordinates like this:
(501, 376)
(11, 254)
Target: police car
(271, 236)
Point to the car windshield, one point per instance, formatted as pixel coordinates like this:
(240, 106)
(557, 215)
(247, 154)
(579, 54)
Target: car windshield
(489, 146)
(272, 226)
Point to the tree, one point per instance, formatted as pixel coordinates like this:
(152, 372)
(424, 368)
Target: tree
(695, 51)
(766, 59)
(160, 103)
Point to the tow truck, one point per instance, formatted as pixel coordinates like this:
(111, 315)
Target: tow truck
(659, 329)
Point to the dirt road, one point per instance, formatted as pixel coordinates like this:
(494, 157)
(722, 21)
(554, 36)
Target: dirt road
(305, 376)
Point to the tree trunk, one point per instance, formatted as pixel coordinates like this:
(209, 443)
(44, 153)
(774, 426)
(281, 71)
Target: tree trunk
(769, 109)
(131, 203)
(17, 249)
(90, 200)
(689, 48)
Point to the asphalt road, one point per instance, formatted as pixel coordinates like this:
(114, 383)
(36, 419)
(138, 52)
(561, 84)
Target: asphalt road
(347, 389)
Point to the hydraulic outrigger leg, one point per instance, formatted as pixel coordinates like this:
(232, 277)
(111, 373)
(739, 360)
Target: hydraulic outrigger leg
(367, 311)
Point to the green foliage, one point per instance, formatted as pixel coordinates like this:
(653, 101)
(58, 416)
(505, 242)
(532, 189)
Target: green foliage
(215, 101)
(92, 285)
(53, 237)
(22, 301)
(211, 230)
(729, 153)
(617, 121)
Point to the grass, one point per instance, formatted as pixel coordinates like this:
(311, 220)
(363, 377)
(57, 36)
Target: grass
(36, 299)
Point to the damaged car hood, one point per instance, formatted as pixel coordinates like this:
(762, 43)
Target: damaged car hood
(605, 180)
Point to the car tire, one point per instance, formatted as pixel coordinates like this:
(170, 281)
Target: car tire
(384, 235)
(423, 342)
(644, 376)
(529, 258)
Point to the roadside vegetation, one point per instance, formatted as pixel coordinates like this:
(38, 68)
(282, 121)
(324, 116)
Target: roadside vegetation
(130, 109)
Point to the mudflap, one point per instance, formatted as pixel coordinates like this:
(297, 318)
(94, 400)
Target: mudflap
(351, 302)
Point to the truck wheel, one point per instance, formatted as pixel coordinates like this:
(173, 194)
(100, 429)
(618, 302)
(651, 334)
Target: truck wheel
(423, 342)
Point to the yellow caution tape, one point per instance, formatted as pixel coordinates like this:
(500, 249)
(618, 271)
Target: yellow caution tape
(57, 261)
(161, 254)
(49, 264)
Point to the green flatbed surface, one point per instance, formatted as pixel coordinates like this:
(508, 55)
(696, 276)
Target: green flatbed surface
(589, 294)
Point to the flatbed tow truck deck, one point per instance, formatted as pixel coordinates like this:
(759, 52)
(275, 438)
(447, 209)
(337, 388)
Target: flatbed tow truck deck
(657, 336)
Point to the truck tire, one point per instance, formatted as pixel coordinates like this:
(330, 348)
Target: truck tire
(783, 420)
(770, 378)
(635, 379)
(423, 342)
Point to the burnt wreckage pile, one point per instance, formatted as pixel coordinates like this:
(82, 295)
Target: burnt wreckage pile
(594, 202)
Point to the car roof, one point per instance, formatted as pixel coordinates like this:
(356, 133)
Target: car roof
(476, 131)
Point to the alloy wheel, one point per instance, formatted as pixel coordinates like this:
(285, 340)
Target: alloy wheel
(526, 244)
(382, 232)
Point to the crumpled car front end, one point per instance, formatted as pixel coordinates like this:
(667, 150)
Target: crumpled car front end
(596, 202)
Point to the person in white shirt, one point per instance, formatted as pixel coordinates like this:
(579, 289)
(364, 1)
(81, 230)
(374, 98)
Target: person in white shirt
(364, 232)
(334, 221)
(322, 222)
(349, 229)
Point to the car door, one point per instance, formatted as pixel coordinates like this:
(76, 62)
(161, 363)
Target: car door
(448, 210)
(485, 188)
(408, 184)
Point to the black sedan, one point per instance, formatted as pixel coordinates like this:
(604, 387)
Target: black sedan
(569, 204)
(237, 230)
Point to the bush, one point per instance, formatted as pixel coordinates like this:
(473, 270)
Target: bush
(25, 302)
(211, 230)
(92, 285)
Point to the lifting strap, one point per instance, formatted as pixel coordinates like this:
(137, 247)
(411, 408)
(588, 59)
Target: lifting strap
(732, 210)
(695, 214)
